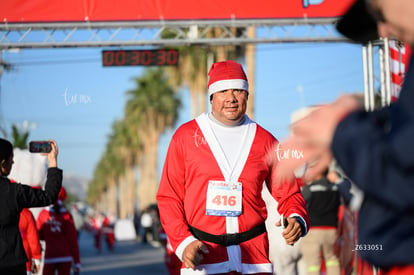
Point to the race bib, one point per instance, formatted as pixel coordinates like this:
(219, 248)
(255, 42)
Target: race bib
(224, 198)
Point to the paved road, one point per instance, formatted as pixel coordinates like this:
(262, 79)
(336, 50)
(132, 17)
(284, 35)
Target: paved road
(128, 257)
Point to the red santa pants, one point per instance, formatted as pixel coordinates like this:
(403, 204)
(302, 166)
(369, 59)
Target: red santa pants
(400, 270)
(238, 273)
(62, 268)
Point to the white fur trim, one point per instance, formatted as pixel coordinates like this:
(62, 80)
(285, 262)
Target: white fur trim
(226, 84)
(180, 249)
(58, 260)
(303, 222)
(224, 267)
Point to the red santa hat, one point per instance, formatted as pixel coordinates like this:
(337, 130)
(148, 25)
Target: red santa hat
(62, 196)
(226, 75)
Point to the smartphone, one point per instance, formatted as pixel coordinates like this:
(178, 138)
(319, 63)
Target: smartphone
(42, 146)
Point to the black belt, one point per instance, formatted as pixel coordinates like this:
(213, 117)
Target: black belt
(228, 239)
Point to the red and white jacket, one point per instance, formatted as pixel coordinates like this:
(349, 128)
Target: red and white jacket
(193, 159)
(59, 233)
(30, 237)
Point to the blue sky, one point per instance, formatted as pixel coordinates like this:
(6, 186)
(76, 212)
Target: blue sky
(70, 97)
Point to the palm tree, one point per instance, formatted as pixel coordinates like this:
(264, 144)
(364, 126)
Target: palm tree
(152, 107)
(191, 73)
(107, 173)
(20, 138)
(122, 145)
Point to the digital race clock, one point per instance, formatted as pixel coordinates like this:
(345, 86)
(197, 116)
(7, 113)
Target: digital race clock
(158, 57)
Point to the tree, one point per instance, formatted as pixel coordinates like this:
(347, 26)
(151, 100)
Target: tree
(106, 175)
(151, 108)
(20, 138)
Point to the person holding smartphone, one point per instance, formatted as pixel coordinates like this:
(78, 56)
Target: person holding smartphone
(13, 198)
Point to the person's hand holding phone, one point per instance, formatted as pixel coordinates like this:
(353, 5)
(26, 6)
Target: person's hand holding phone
(52, 155)
(47, 148)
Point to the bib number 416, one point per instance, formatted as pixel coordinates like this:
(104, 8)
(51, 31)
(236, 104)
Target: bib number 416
(224, 200)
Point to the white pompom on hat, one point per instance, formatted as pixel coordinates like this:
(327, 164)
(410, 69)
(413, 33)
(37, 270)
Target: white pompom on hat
(226, 75)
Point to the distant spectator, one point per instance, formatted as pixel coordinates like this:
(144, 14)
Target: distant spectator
(322, 200)
(345, 242)
(57, 229)
(137, 221)
(78, 219)
(146, 225)
(96, 228)
(343, 183)
(108, 225)
(156, 223)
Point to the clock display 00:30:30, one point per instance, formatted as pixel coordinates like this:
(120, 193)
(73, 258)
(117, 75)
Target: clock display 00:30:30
(157, 57)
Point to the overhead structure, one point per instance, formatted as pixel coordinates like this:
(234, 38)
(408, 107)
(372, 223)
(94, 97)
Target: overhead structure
(148, 33)
(123, 23)
(94, 23)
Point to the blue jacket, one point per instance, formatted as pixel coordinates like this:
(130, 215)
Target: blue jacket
(376, 150)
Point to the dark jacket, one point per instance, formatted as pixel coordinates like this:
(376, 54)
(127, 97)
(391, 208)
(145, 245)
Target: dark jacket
(13, 198)
(376, 151)
(322, 201)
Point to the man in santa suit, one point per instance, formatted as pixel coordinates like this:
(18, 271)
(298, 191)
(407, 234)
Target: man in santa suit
(57, 229)
(210, 194)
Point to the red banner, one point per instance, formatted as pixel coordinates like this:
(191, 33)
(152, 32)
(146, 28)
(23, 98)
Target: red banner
(24, 11)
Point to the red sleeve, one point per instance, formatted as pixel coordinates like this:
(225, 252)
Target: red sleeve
(33, 236)
(41, 219)
(288, 195)
(290, 200)
(170, 196)
(71, 234)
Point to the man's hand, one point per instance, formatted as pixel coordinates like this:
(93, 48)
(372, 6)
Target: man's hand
(312, 136)
(35, 266)
(293, 230)
(76, 270)
(194, 253)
